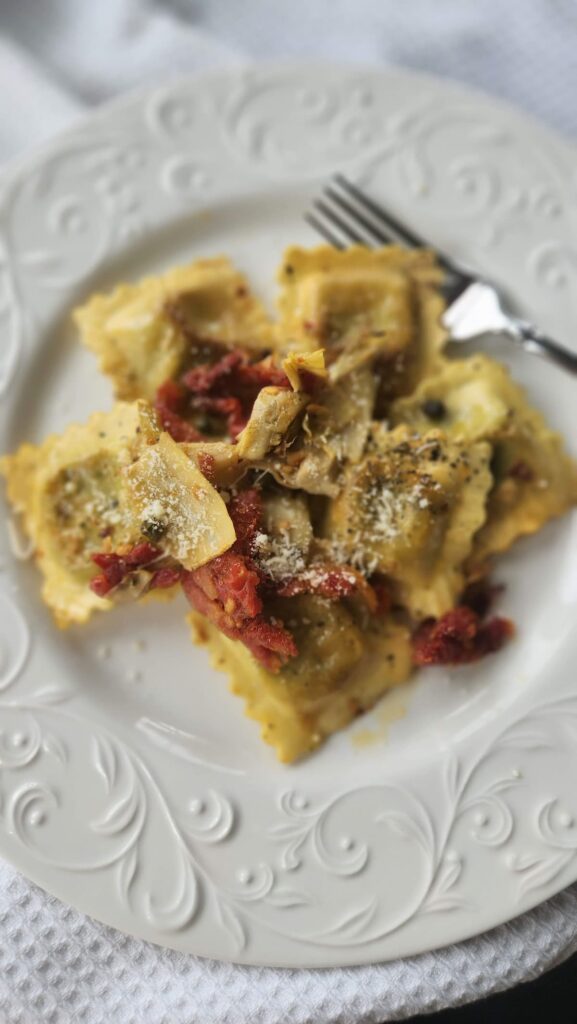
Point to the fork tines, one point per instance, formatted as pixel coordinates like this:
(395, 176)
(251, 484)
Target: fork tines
(344, 215)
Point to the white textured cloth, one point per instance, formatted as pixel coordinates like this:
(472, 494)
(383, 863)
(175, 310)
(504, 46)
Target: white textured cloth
(57, 58)
(59, 967)
(80, 52)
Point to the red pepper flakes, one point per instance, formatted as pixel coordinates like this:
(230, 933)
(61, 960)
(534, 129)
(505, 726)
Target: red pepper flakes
(459, 638)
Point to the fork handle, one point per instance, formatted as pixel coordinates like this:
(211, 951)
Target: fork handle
(540, 345)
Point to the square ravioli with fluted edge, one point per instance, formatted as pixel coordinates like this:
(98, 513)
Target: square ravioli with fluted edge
(328, 489)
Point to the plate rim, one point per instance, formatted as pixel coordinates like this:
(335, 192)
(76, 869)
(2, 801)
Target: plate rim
(21, 165)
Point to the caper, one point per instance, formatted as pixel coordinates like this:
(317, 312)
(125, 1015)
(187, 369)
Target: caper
(434, 409)
(153, 529)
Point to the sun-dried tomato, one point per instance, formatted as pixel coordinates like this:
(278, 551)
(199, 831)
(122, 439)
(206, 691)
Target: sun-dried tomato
(269, 642)
(141, 554)
(246, 511)
(231, 409)
(171, 405)
(166, 577)
(230, 386)
(494, 634)
(225, 590)
(231, 583)
(113, 572)
(227, 388)
(331, 581)
(115, 567)
(214, 378)
(459, 637)
(234, 374)
(263, 375)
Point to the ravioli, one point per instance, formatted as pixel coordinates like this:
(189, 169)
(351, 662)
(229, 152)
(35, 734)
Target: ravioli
(145, 334)
(67, 490)
(534, 479)
(298, 707)
(409, 510)
(107, 486)
(326, 490)
(362, 305)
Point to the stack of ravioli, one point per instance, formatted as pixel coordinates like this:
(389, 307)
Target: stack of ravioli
(319, 486)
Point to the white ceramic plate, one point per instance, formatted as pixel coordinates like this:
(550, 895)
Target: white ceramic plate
(131, 784)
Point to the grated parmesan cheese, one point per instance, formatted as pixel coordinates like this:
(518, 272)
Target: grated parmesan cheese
(386, 510)
(384, 507)
(278, 556)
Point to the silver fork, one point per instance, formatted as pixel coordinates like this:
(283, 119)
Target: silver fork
(475, 307)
